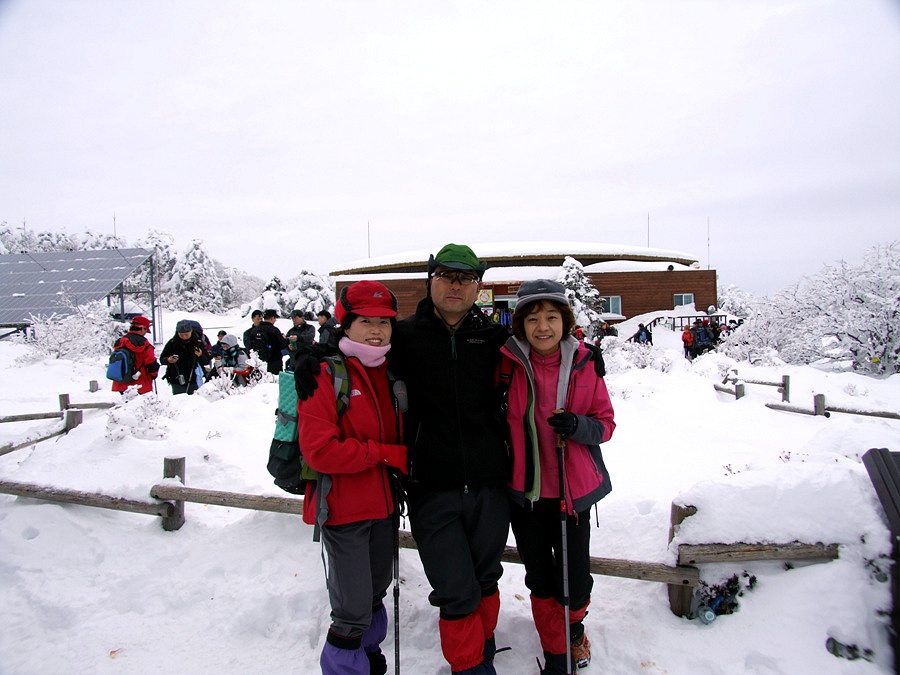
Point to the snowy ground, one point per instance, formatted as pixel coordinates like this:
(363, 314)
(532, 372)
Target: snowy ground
(86, 590)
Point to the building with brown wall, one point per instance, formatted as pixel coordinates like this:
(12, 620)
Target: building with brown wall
(632, 280)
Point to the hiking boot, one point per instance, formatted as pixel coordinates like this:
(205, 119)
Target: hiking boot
(581, 651)
(554, 664)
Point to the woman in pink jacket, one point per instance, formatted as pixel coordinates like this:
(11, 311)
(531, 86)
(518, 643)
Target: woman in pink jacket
(555, 398)
(352, 500)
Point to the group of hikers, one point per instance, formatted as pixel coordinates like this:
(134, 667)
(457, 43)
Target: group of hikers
(493, 428)
(700, 338)
(191, 359)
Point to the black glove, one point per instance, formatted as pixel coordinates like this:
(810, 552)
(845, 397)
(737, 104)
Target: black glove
(563, 423)
(306, 367)
(597, 357)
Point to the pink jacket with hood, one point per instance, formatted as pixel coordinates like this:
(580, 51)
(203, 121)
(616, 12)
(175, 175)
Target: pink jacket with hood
(581, 391)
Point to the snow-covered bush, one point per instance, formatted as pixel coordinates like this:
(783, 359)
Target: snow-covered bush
(140, 416)
(88, 332)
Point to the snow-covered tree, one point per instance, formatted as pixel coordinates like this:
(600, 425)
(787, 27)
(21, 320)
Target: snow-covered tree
(843, 313)
(584, 298)
(735, 302)
(194, 280)
(308, 292)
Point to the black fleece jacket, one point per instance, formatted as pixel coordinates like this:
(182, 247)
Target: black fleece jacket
(453, 429)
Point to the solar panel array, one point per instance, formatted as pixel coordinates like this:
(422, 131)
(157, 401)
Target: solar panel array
(47, 283)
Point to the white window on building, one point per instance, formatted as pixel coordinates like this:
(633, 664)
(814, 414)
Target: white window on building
(684, 299)
(611, 304)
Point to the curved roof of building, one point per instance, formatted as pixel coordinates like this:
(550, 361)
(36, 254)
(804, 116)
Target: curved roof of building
(521, 254)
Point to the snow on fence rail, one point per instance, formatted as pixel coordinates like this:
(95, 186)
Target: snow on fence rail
(70, 413)
(682, 579)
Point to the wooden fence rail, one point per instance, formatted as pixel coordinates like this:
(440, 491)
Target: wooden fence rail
(52, 494)
(784, 387)
(821, 408)
(70, 412)
(72, 419)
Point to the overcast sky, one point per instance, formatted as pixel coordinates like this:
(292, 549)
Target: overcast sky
(293, 135)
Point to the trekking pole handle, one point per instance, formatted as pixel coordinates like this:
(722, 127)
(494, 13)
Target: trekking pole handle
(560, 441)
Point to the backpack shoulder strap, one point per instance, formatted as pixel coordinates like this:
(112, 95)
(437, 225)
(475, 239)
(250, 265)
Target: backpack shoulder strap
(505, 371)
(341, 379)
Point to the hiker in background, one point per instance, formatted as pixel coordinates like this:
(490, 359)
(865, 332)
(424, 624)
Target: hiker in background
(217, 349)
(687, 339)
(254, 339)
(354, 454)
(276, 345)
(232, 362)
(327, 326)
(702, 338)
(301, 334)
(185, 357)
(145, 363)
(643, 335)
(555, 397)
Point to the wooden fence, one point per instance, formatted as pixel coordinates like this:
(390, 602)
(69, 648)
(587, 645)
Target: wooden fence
(821, 408)
(784, 386)
(682, 579)
(70, 413)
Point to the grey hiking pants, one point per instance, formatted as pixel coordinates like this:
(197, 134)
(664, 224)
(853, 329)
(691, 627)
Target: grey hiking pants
(359, 567)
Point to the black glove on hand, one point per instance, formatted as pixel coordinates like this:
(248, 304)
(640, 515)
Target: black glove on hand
(564, 423)
(306, 367)
(597, 357)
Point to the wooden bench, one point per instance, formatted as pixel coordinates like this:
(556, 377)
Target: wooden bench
(884, 472)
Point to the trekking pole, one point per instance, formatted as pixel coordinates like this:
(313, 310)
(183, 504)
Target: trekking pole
(563, 516)
(396, 590)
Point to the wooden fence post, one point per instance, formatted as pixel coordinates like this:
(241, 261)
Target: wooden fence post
(680, 596)
(785, 388)
(73, 419)
(738, 390)
(93, 386)
(63, 401)
(819, 405)
(173, 467)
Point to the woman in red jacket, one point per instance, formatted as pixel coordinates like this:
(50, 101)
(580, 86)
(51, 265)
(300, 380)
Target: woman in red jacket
(354, 455)
(555, 397)
(145, 364)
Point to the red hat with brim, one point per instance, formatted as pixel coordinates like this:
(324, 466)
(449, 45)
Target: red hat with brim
(141, 321)
(365, 298)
